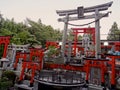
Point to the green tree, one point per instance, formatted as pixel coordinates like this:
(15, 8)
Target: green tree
(43, 32)
(19, 31)
(114, 32)
(30, 32)
(5, 32)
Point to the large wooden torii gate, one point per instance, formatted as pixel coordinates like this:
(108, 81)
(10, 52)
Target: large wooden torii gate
(80, 12)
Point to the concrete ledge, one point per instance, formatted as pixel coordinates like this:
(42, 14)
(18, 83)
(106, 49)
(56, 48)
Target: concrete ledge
(23, 86)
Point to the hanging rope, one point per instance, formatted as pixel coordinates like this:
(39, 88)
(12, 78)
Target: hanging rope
(89, 22)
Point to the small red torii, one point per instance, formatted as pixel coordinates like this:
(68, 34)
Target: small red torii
(31, 64)
(77, 31)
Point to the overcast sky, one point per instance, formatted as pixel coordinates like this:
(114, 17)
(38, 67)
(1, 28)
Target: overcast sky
(46, 11)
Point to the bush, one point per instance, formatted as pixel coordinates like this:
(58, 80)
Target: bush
(52, 51)
(7, 80)
(10, 75)
(5, 83)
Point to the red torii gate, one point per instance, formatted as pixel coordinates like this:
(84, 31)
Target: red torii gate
(31, 64)
(5, 40)
(76, 31)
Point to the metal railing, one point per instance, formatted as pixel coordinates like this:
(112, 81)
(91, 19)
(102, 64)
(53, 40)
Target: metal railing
(61, 77)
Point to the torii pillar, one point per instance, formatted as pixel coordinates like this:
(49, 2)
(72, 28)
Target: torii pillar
(5, 40)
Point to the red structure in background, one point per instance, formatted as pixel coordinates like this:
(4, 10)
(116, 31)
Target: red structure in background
(77, 31)
(5, 40)
(117, 46)
(52, 43)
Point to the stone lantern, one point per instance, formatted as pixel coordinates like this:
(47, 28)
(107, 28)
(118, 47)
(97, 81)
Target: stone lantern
(4, 63)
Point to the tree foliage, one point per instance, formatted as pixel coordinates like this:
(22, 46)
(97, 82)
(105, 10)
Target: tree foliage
(114, 32)
(43, 32)
(30, 32)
